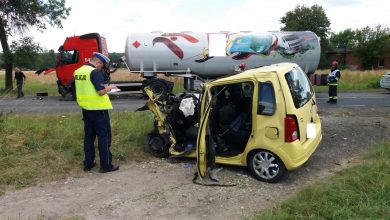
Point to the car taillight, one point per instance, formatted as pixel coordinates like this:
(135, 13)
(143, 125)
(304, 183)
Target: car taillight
(290, 129)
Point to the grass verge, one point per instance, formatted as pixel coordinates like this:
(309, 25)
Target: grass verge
(48, 83)
(34, 83)
(350, 81)
(359, 192)
(36, 148)
(355, 81)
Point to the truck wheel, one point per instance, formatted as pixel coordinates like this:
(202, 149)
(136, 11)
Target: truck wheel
(157, 145)
(61, 89)
(266, 167)
(73, 90)
(159, 88)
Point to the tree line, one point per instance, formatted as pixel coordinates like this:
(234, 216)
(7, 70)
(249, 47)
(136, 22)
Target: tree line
(29, 55)
(369, 43)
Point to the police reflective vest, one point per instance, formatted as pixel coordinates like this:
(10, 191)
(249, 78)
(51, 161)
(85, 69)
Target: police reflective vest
(333, 77)
(87, 96)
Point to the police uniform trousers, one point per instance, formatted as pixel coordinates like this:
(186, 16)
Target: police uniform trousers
(333, 93)
(97, 124)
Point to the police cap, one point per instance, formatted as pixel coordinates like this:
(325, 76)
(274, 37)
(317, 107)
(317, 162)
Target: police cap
(101, 57)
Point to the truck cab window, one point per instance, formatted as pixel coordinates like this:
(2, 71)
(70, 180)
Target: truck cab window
(69, 57)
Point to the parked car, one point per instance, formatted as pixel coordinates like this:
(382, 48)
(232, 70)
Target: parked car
(265, 119)
(385, 81)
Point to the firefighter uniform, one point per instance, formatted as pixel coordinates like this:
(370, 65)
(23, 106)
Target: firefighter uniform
(333, 78)
(89, 81)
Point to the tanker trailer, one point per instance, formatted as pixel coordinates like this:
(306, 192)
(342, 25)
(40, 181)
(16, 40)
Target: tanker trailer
(189, 54)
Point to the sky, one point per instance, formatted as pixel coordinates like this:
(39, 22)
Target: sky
(115, 19)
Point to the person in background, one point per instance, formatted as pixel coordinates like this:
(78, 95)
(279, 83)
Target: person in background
(333, 78)
(91, 94)
(20, 79)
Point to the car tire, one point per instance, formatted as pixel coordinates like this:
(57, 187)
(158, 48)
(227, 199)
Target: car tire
(266, 166)
(157, 145)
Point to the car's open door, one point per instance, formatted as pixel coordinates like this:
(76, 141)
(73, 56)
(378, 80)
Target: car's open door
(205, 144)
(202, 158)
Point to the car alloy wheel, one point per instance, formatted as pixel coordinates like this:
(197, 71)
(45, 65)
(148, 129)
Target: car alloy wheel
(266, 166)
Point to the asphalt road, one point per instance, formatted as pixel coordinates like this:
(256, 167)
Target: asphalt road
(56, 104)
(356, 100)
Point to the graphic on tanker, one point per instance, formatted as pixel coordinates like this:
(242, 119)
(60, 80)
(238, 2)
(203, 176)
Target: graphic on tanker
(241, 46)
(169, 38)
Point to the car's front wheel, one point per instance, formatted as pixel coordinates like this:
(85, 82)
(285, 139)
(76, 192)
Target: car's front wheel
(266, 166)
(157, 145)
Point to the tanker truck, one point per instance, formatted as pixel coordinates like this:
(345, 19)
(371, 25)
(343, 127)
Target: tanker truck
(191, 55)
(194, 56)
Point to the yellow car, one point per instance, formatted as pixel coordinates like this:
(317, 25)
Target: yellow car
(264, 118)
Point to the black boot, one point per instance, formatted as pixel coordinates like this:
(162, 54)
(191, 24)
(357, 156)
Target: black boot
(109, 169)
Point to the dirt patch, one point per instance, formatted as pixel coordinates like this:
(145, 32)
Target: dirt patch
(162, 188)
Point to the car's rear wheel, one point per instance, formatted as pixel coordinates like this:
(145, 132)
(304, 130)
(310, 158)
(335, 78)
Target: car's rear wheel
(266, 166)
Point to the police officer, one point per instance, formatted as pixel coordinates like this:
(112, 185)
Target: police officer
(333, 78)
(91, 93)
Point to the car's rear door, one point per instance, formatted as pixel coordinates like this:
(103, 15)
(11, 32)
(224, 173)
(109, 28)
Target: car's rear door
(300, 100)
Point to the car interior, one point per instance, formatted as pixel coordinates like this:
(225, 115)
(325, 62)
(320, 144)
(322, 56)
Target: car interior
(230, 118)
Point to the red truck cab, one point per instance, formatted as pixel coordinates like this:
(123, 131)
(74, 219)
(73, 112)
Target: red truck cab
(75, 52)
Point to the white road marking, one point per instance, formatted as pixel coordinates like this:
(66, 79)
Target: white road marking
(353, 105)
(355, 97)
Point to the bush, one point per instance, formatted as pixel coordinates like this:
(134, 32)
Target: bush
(374, 82)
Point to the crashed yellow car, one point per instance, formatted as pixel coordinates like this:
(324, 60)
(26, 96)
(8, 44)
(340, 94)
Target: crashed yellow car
(264, 118)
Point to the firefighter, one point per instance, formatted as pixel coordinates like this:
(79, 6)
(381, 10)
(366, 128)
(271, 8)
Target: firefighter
(333, 78)
(91, 93)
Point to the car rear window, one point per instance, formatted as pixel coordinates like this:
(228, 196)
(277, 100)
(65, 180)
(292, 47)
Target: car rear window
(300, 87)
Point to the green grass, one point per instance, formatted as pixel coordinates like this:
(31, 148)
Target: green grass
(37, 83)
(352, 81)
(74, 218)
(359, 192)
(36, 148)
(30, 88)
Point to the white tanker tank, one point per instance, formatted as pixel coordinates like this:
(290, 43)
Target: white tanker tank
(194, 53)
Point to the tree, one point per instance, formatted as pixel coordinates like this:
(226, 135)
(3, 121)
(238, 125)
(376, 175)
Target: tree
(25, 52)
(345, 39)
(371, 44)
(341, 42)
(303, 18)
(47, 59)
(19, 15)
(313, 19)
